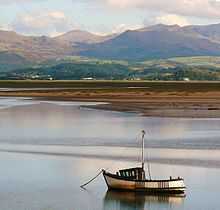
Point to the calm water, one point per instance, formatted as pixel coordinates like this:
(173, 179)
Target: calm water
(47, 149)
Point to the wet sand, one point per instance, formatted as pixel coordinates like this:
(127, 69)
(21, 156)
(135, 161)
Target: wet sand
(200, 104)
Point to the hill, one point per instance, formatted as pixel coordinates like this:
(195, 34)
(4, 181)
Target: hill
(76, 37)
(11, 61)
(76, 68)
(159, 41)
(170, 42)
(32, 48)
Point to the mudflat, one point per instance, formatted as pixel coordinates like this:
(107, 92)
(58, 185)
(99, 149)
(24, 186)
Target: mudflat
(158, 99)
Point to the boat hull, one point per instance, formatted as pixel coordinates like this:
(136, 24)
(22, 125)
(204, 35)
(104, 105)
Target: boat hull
(172, 186)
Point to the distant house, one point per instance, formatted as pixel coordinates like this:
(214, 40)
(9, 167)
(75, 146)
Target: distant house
(88, 78)
(186, 79)
(35, 77)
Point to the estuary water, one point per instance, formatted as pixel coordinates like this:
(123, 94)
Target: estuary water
(49, 148)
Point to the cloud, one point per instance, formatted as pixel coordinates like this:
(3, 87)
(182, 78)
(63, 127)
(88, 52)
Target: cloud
(172, 20)
(193, 8)
(167, 19)
(6, 2)
(47, 23)
(124, 27)
(5, 27)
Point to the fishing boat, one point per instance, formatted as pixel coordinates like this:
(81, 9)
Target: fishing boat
(134, 179)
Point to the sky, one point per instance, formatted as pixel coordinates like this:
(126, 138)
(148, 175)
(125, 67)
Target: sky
(55, 17)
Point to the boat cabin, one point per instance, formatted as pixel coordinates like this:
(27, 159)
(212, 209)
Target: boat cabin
(132, 173)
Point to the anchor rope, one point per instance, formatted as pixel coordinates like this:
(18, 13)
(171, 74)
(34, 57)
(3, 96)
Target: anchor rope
(82, 186)
(101, 171)
(91, 180)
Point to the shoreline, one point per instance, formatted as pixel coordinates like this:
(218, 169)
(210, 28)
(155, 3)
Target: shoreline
(144, 102)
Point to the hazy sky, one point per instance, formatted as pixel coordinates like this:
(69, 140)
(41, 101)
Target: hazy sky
(53, 17)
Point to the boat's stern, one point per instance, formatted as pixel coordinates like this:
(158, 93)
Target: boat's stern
(177, 183)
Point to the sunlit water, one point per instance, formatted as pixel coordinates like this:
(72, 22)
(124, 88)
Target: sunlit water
(47, 149)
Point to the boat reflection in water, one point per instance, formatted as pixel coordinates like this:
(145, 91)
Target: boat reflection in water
(115, 200)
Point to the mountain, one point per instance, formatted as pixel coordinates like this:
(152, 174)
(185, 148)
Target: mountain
(38, 49)
(153, 42)
(11, 61)
(159, 41)
(77, 36)
(32, 48)
(211, 32)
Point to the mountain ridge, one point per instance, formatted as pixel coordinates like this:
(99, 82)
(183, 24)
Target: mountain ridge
(156, 41)
(159, 41)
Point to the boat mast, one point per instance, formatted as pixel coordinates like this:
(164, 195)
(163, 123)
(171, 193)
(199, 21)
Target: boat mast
(143, 134)
(148, 164)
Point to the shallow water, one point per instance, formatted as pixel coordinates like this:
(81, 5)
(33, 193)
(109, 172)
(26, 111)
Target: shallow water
(47, 149)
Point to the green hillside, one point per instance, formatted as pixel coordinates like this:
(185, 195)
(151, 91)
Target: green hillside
(79, 68)
(11, 61)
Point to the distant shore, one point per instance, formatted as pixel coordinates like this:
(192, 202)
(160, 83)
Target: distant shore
(159, 99)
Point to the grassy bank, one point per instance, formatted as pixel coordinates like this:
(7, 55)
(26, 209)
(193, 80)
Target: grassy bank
(142, 85)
